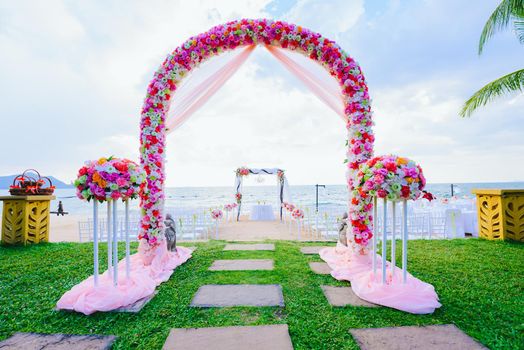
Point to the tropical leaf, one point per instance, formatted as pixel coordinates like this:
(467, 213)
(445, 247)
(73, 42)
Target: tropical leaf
(519, 30)
(507, 11)
(509, 83)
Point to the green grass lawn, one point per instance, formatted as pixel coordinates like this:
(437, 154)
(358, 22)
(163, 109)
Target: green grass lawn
(480, 284)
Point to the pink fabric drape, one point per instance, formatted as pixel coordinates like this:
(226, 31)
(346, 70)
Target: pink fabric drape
(327, 90)
(183, 105)
(414, 296)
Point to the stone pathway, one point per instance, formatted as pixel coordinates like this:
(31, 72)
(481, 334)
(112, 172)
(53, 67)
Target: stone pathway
(438, 337)
(343, 296)
(242, 265)
(273, 337)
(312, 249)
(320, 268)
(36, 341)
(215, 295)
(255, 246)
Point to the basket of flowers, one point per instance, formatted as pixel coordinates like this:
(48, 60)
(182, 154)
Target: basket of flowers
(31, 183)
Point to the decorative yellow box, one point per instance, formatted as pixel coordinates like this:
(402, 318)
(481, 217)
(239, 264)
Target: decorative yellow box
(501, 214)
(25, 219)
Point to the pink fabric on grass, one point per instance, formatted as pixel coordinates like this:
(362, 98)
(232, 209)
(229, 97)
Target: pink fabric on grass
(87, 299)
(415, 296)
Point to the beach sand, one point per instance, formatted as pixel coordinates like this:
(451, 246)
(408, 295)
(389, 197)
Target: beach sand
(65, 229)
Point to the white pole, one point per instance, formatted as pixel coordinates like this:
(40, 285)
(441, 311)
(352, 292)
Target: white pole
(95, 241)
(374, 239)
(384, 240)
(404, 241)
(299, 227)
(393, 238)
(128, 261)
(109, 240)
(115, 243)
(216, 229)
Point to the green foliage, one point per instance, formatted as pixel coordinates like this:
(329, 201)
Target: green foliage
(506, 84)
(508, 11)
(479, 284)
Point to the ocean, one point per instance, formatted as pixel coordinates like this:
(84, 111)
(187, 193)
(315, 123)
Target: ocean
(332, 197)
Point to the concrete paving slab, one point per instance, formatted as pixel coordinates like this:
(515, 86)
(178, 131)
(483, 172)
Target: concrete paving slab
(320, 268)
(224, 295)
(241, 265)
(36, 341)
(271, 337)
(137, 305)
(343, 296)
(255, 246)
(437, 337)
(312, 249)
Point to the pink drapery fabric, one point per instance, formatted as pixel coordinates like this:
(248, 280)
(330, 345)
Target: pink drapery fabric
(414, 296)
(87, 299)
(183, 105)
(327, 90)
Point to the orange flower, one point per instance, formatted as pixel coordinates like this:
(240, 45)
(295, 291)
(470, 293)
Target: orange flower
(409, 179)
(102, 161)
(402, 161)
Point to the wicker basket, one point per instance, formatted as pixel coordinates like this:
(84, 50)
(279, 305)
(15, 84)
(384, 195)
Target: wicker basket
(25, 185)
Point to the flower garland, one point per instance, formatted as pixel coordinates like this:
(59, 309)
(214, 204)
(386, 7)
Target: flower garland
(109, 179)
(242, 171)
(392, 177)
(227, 37)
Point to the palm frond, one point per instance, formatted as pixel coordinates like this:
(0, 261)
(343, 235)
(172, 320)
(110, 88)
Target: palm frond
(519, 30)
(509, 83)
(500, 19)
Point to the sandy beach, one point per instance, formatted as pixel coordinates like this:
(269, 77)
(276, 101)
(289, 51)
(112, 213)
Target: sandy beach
(65, 229)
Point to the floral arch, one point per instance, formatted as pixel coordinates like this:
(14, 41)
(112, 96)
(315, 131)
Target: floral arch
(244, 33)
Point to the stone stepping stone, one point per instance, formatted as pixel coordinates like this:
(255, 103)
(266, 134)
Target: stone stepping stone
(36, 341)
(241, 265)
(343, 296)
(320, 268)
(271, 337)
(224, 295)
(256, 246)
(312, 249)
(137, 305)
(437, 337)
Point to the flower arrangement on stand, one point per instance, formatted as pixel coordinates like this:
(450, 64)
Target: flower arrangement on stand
(391, 178)
(228, 208)
(298, 215)
(108, 180)
(216, 214)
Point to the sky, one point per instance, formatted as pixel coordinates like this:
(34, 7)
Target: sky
(73, 76)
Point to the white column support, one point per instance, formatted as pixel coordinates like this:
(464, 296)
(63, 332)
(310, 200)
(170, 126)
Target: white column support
(393, 238)
(109, 240)
(216, 229)
(115, 243)
(384, 239)
(404, 241)
(374, 239)
(95, 241)
(299, 229)
(126, 228)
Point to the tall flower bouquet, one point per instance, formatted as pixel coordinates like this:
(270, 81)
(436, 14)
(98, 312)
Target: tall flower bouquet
(392, 177)
(109, 179)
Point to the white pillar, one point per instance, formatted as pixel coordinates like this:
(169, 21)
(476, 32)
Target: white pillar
(109, 240)
(299, 227)
(393, 238)
(384, 239)
(95, 241)
(115, 243)
(404, 241)
(216, 229)
(126, 227)
(374, 239)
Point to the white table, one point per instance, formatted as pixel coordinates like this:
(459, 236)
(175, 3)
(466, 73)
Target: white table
(471, 222)
(262, 213)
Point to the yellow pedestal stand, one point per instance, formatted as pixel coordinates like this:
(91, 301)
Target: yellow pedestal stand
(501, 214)
(25, 219)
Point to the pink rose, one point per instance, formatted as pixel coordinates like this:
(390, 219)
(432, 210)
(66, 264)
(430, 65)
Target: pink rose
(115, 195)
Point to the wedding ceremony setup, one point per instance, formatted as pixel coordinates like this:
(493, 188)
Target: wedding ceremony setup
(384, 261)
